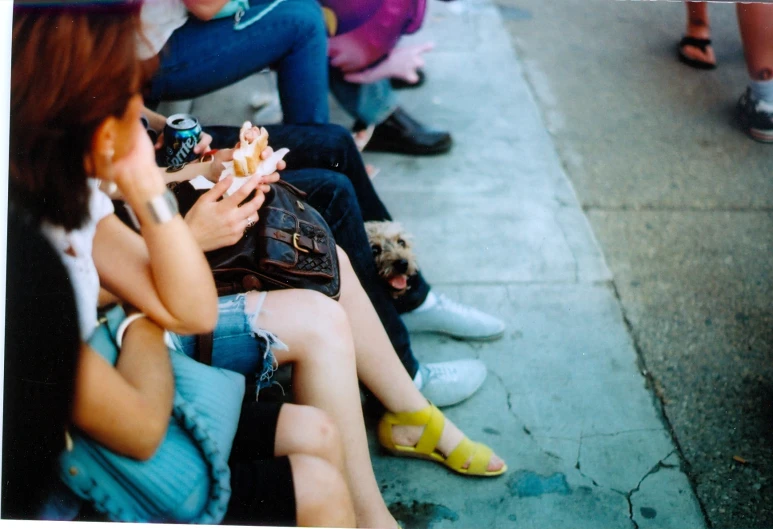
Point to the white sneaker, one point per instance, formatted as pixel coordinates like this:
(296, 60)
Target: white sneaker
(449, 383)
(454, 319)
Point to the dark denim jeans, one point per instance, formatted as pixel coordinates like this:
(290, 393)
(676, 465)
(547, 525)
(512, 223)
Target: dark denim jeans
(345, 197)
(201, 57)
(369, 103)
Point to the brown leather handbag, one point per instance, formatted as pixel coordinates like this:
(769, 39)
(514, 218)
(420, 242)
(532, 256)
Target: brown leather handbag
(291, 246)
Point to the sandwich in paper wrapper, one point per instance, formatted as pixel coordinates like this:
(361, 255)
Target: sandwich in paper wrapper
(246, 161)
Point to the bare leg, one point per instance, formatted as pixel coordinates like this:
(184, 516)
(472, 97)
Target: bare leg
(321, 495)
(317, 334)
(699, 28)
(318, 436)
(322, 349)
(698, 20)
(756, 24)
(380, 369)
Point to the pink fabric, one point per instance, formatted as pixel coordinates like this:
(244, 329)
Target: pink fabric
(351, 14)
(373, 40)
(402, 63)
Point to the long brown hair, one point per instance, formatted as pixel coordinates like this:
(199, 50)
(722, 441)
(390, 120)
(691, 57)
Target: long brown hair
(73, 65)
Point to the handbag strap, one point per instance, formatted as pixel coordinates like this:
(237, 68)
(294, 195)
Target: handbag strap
(184, 413)
(300, 242)
(204, 346)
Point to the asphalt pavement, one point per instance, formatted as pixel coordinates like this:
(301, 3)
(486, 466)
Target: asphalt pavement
(681, 201)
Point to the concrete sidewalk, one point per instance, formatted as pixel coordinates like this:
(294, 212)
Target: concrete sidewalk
(497, 225)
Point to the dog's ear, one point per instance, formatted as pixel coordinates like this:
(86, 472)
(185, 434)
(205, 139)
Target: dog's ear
(393, 226)
(372, 227)
(400, 231)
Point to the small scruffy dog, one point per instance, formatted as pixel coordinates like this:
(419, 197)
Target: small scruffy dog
(393, 253)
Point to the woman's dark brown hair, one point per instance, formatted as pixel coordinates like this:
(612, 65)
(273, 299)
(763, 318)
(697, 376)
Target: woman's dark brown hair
(73, 65)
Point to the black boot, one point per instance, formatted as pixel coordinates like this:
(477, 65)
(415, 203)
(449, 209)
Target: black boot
(401, 84)
(400, 133)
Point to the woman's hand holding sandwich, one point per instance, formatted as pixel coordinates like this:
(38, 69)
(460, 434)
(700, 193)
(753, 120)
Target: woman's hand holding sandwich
(219, 223)
(226, 155)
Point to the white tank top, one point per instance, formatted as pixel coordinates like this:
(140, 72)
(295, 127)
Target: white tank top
(159, 20)
(80, 267)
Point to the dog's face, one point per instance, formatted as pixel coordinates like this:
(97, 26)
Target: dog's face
(393, 253)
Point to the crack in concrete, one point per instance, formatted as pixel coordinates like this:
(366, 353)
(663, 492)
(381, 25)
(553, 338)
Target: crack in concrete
(578, 465)
(654, 470)
(659, 403)
(554, 438)
(595, 435)
(661, 464)
(509, 395)
(524, 427)
(623, 432)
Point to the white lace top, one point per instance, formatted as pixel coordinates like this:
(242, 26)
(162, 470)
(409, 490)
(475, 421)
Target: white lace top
(159, 20)
(80, 267)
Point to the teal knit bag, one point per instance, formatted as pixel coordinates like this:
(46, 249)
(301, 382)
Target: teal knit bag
(187, 479)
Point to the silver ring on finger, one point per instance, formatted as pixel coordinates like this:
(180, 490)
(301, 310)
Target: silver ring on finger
(250, 222)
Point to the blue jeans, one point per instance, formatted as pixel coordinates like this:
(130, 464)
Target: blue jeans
(369, 103)
(239, 344)
(201, 57)
(342, 192)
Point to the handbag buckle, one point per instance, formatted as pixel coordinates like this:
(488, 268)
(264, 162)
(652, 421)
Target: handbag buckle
(296, 237)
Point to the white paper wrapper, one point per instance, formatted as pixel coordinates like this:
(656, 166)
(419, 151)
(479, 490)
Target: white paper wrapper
(200, 182)
(265, 168)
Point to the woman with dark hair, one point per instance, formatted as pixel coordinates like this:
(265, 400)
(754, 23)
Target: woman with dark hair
(75, 123)
(81, 116)
(39, 367)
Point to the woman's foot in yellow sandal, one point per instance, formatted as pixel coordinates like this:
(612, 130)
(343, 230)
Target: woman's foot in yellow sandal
(427, 434)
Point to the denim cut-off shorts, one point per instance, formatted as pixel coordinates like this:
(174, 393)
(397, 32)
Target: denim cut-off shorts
(239, 343)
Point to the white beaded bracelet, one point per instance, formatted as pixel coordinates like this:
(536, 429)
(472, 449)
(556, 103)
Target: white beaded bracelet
(125, 325)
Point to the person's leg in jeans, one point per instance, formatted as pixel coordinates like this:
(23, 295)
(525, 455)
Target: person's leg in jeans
(201, 57)
(756, 105)
(375, 105)
(334, 149)
(444, 383)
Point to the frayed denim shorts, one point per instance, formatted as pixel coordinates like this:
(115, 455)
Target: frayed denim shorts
(239, 343)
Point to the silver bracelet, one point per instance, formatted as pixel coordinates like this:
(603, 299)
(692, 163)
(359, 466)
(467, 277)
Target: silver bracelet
(163, 208)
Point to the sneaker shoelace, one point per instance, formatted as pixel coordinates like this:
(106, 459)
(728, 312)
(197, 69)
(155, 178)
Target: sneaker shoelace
(764, 106)
(453, 306)
(440, 373)
(757, 105)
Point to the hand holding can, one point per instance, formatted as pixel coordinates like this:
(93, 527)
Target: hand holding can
(181, 135)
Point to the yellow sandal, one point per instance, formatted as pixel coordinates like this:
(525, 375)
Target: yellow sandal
(433, 421)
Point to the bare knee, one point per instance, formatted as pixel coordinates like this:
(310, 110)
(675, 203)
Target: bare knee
(322, 497)
(325, 321)
(318, 437)
(320, 426)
